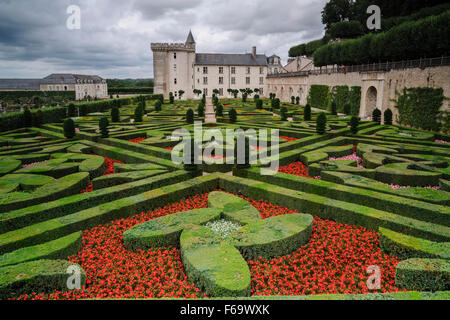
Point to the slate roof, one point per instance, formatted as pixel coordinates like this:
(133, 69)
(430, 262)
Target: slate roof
(190, 38)
(67, 78)
(223, 59)
(20, 84)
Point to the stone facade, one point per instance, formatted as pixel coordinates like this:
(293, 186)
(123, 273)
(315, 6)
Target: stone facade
(378, 88)
(177, 66)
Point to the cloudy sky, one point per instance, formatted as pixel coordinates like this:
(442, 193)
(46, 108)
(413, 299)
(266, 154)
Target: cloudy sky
(115, 36)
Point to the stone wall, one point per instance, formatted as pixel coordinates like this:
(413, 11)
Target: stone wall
(377, 88)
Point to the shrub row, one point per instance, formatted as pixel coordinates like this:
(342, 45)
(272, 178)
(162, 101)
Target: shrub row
(423, 274)
(131, 90)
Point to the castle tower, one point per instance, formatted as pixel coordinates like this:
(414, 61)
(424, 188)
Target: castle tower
(173, 67)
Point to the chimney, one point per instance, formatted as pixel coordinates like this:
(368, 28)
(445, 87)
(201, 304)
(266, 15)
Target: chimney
(254, 52)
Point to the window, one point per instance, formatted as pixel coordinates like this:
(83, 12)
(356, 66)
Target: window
(261, 70)
(198, 69)
(261, 91)
(175, 81)
(175, 67)
(233, 70)
(261, 80)
(276, 70)
(205, 80)
(220, 69)
(220, 91)
(220, 80)
(233, 80)
(205, 70)
(175, 55)
(248, 70)
(205, 91)
(247, 80)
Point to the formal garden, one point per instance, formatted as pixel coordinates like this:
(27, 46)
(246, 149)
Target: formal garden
(91, 186)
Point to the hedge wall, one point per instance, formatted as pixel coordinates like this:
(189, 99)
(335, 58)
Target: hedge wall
(318, 96)
(419, 107)
(15, 120)
(428, 37)
(8, 95)
(141, 90)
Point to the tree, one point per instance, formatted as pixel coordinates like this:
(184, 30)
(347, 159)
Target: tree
(27, 118)
(336, 11)
(103, 125)
(115, 114)
(69, 128)
(354, 122)
(256, 97)
(347, 108)
(244, 97)
(138, 114)
(297, 100)
(307, 113)
(321, 123)
(388, 117)
(259, 104)
(197, 92)
(201, 110)
(235, 93)
(275, 103)
(219, 110)
(180, 93)
(333, 108)
(292, 99)
(38, 118)
(216, 91)
(71, 110)
(284, 114)
(158, 105)
(171, 98)
(376, 116)
(190, 116)
(232, 114)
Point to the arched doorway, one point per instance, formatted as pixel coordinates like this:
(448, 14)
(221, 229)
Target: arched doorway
(282, 93)
(371, 101)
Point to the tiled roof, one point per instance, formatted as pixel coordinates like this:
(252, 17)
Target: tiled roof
(20, 84)
(230, 59)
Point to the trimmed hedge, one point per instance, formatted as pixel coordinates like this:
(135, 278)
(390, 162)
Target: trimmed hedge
(165, 231)
(423, 274)
(233, 208)
(35, 276)
(130, 90)
(318, 96)
(126, 177)
(215, 266)
(405, 247)
(275, 236)
(57, 249)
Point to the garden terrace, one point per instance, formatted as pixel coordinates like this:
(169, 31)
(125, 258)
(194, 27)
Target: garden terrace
(141, 226)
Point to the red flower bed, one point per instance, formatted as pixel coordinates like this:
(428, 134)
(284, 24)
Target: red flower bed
(137, 140)
(334, 261)
(295, 168)
(169, 148)
(109, 164)
(288, 139)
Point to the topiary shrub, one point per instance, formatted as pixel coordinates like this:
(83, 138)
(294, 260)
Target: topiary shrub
(38, 118)
(201, 110)
(259, 104)
(103, 125)
(354, 123)
(297, 100)
(307, 113)
(292, 99)
(190, 116)
(138, 114)
(284, 114)
(333, 108)
(71, 110)
(347, 108)
(321, 123)
(171, 98)
(69, 128)
(275, 103)
(232, 114)
(115, 114)
(158, 106)
(219, 110)
(244, 97)
(27, 118)
(388, 116)
(256, 97)
(376, 116)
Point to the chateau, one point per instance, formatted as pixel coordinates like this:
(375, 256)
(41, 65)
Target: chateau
(177, 66)
(83, 85)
